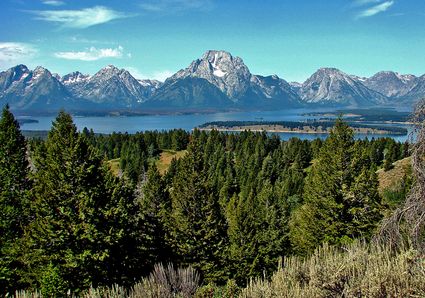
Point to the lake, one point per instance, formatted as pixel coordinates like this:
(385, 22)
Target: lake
(133, 124)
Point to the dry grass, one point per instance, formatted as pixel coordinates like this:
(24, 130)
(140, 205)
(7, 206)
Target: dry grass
(114, 165)
(406, 227)
(390, 180)
(356, 271)
(166, 157)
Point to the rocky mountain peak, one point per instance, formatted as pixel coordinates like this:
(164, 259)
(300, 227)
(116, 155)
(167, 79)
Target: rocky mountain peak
(74, 78)
(108, 71)
(329, 72)
(332, 86)
(220, 68)
(390, 83)
(41, 70)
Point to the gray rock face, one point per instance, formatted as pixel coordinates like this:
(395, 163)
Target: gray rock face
(150, 86)
(332, 86)
(110, 86)
(418, 90)
(25, 90)
(232, 77)
(74, 81)
(295, 86)
(13, 75)
(221, 69)
(189, 93)
(391, 84)
(217, 81)
(274, 91)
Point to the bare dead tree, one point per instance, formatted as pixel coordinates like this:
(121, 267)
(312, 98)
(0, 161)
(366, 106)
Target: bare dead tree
(406, 227)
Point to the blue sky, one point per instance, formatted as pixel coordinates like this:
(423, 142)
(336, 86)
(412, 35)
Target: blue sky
(155, 38)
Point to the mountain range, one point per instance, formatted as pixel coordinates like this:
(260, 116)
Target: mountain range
(216, 81)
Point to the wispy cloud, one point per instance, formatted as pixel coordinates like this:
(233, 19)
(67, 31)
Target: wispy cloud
(92, 54)
(83, 18)
(171, 6)
(156, 75)
(375, 9)
(12, 53)
(53, 2)
(80, 39)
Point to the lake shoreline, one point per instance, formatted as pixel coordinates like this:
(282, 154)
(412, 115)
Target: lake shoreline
(306, 130)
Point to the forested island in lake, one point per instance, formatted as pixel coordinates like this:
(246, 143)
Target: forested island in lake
(313, 127)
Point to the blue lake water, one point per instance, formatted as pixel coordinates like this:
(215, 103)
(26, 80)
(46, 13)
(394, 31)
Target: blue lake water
(132, 124)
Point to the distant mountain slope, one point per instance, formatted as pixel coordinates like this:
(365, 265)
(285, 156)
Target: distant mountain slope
(418, 90)
(24, 89)
(233, 78)
(391, 84)
(221, 69)
(189, 92)
(271, 91)
(330, 86)
(216, 81)
(109, 86)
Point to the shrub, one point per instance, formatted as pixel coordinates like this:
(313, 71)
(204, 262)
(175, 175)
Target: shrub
(52, 284)
(358, 270)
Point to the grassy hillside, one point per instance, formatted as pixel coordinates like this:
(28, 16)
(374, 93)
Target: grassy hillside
(162, 163)
(166, 157)
(390, 180)
(114, 165)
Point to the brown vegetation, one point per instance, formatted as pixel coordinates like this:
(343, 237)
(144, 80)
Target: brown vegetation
(166, 157)
(406, 227)
(391, 179)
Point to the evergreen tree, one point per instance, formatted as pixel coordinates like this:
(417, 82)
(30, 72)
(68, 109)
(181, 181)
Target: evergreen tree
(197, 227)
(337, 191)
(14, 185)
(257, 233)
(83, 215)
(155, 211)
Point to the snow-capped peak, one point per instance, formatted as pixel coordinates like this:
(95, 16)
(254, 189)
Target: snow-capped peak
(216, 70)
(74, 78)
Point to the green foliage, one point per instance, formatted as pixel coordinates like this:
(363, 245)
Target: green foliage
(52, 284)
(155, 211)
(397, 194)
(14, 186)
(341, 197)
(197, 227)
(230, 208)
(83, 216)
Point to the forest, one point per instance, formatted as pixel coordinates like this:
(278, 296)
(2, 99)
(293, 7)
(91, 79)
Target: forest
(237, 215)
(307, 126)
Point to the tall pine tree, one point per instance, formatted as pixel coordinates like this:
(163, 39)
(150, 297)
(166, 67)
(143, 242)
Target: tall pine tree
(341, 198)
(14, 186)
(198, 227)
(83, 215)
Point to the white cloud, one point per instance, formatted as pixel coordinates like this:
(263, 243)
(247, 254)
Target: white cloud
(79, 39)
(53, 2)
(170, 6)
(12, 53)
(92, 54)
(375, 9)
(83, 18)
(156, 75)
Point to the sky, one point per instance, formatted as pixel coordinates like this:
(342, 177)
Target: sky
(155, 38)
